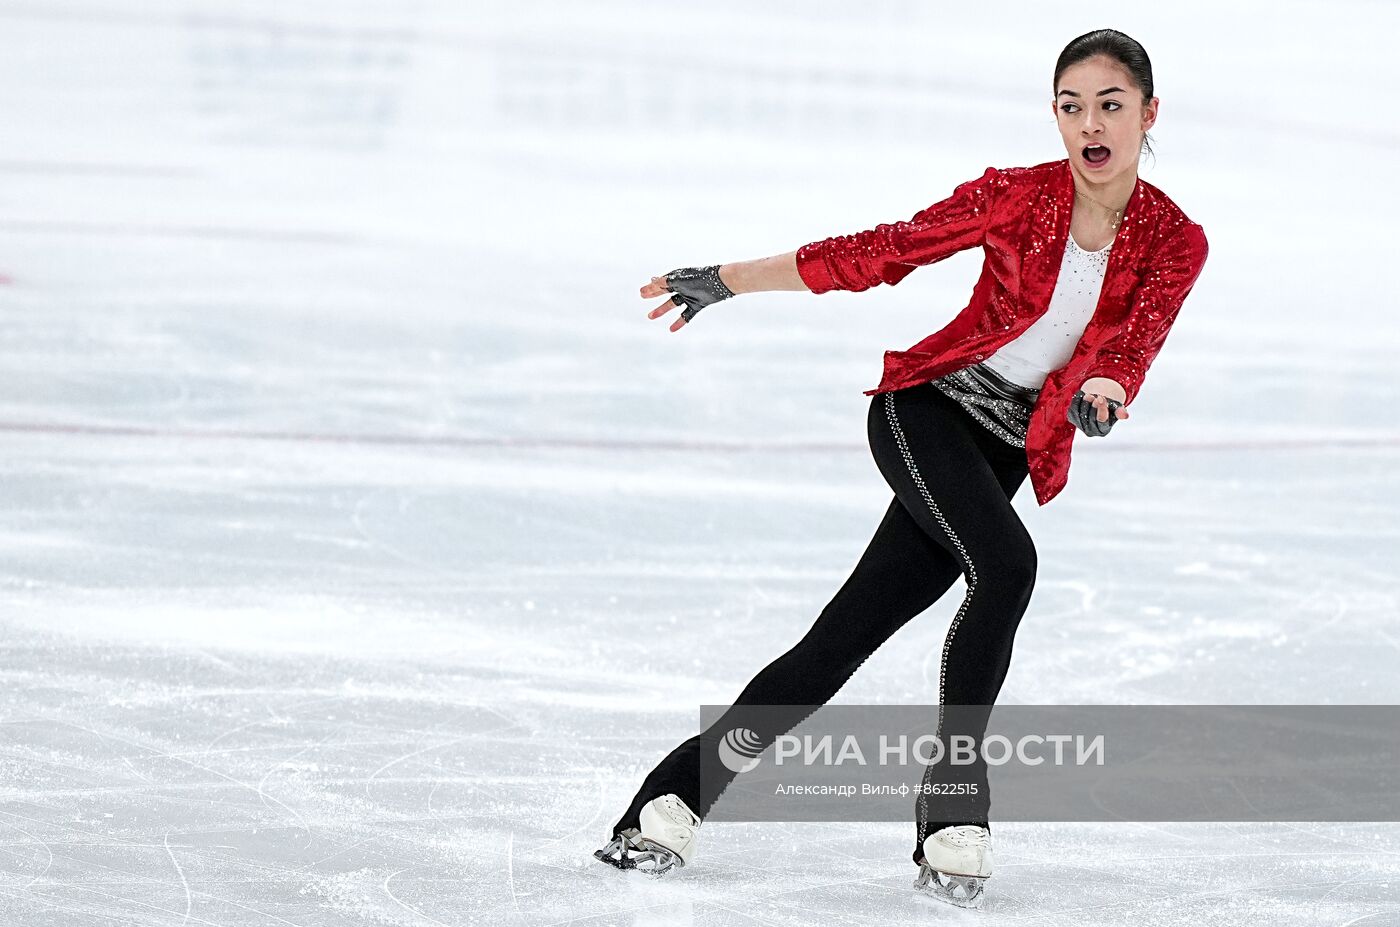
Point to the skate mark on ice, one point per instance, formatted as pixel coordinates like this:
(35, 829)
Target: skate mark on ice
(136, 772)
(600, 792)
(275, 716)
(284, 761)
(189, 902)
(1316, 834)
(378, 543)
(456, 716)
(405, 905)
(40, 842)
(1365, 917)
(122, 900)
(409, 755)
(1388, 639)
(193, 765)
(510, 870)
(128, 878)
(1312, 630)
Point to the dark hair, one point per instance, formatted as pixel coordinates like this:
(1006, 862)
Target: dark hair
(1123, 49)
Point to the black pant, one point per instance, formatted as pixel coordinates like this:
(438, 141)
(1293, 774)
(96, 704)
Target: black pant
(951, 516)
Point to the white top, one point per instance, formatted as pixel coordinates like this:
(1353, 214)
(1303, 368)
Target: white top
(1051, 339)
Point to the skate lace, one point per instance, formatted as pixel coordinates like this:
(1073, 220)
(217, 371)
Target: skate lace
(679, 812)
(969, 835)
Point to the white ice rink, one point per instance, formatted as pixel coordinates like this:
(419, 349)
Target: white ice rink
(364, 543)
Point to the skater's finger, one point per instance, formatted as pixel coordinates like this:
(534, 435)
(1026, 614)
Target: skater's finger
(656, 287)
(1109, 411)
(1101, 405)
(662, 309)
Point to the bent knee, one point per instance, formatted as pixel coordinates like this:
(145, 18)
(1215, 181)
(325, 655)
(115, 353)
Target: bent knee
(1011, 566)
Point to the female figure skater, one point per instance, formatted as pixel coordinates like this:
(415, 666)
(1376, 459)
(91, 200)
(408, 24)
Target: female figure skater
(1086, 268)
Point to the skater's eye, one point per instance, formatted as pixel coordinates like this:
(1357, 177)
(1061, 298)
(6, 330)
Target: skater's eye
(1114, 103)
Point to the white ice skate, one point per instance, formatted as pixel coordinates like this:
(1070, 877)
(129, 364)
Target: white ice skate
(957, 863)
(666, 839)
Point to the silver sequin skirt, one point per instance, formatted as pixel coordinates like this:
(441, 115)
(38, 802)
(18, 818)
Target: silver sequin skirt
(1002, 406)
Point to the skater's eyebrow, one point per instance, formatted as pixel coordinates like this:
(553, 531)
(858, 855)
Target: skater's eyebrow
(1099, 94)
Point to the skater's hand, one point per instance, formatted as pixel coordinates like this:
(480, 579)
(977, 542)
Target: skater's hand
(691, 287)
(656, 288)
(1094, 413)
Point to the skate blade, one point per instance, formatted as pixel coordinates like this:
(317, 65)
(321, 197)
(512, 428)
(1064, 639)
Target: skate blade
(962, 890)
(639, 854)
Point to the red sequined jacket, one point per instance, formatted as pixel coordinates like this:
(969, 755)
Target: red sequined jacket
(1020, 217)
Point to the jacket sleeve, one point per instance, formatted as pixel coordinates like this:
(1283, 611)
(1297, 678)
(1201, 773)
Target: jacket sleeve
(1126, 355)
(890, 251)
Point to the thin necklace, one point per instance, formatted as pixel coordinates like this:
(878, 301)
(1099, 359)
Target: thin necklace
(1117, 213)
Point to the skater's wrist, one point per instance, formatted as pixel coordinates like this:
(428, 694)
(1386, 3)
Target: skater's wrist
(733, 276)
(1106, 386)
(760, 275)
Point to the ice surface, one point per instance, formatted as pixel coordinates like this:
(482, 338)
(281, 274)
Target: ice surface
(363, 543)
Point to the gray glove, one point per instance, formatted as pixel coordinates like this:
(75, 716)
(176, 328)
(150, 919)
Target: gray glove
(1084, 416)
(696, 287)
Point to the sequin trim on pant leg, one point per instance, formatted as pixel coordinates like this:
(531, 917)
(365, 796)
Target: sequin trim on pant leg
(971, 575)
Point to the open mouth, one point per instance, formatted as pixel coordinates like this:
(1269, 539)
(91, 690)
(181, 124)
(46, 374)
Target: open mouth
(1096, 154)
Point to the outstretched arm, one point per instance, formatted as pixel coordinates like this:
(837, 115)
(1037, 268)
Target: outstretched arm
(885, 254)
(761, 274)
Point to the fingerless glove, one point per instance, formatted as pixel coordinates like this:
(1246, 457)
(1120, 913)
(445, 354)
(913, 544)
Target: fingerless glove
(696, 287)
(1084, 416)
